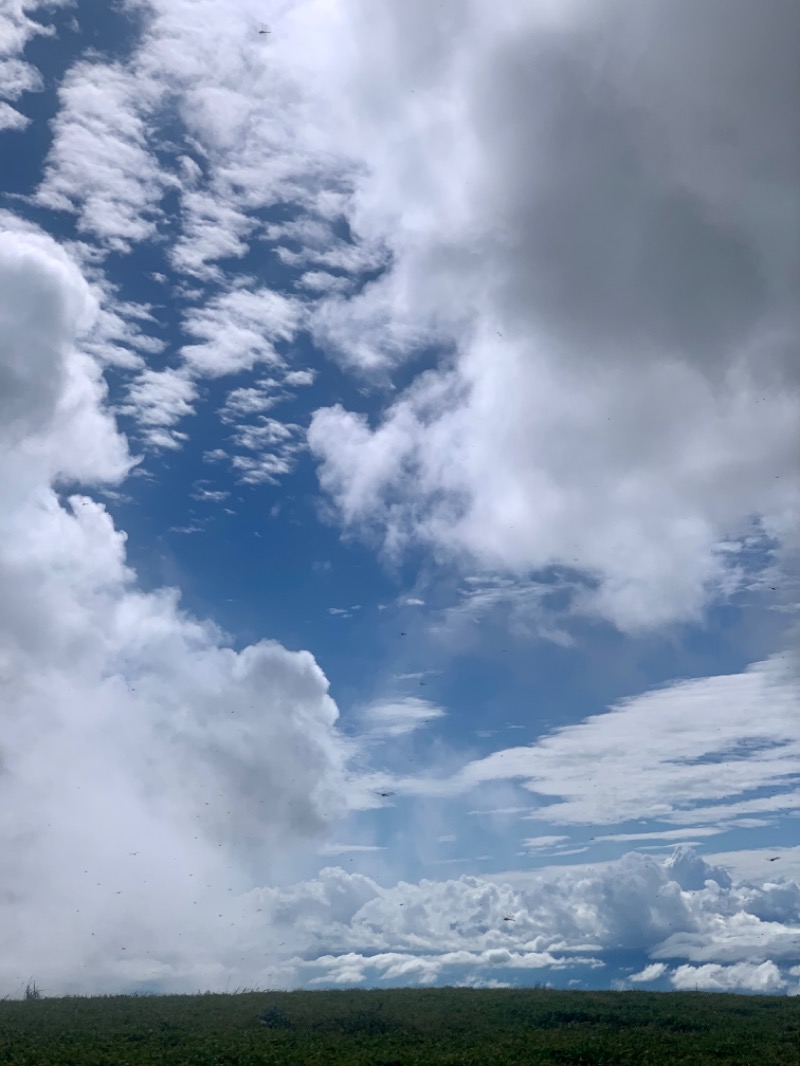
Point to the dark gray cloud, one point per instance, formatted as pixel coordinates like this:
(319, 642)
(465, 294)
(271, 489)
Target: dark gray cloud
(618, 207)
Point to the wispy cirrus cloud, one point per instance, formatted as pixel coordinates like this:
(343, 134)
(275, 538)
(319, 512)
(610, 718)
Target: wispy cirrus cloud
(397, 717)
(651, 755)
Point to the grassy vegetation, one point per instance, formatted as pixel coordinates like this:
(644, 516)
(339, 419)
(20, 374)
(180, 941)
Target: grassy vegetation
(403, 1027)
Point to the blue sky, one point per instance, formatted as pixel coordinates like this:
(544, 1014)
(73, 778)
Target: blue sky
(400, 478)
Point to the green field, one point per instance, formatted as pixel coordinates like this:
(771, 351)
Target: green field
(403, 1027)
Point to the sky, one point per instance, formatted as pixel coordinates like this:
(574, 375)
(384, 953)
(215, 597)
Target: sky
(399, 494)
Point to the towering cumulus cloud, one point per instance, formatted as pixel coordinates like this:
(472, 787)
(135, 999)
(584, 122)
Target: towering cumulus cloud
(149, 773)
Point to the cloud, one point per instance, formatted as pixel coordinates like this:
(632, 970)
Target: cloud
(397, 717)
(209, 495)
(276, 443)
(11, 119)
(764, 977)
(201, 131)
(653, 755)
(321, 246)
(366, 335)
(154, 773)
(610, 257)
(344, 612)
(212, 230)
(299, 378)
(266, 432)
(524, 609)
(237, 329)
(101, 165)
(118, 338)
(342, 849)
(351, 930)
(322, 281)
(602, 271)
(649, 973)
(17, 27)
(194, 527)
(425, 971)
(499, 811)
(534, 843)
(251, 400)
(17, 76)
(754, 864)
(158, 399)
(664, 834)
(264, 469)
(222, 122)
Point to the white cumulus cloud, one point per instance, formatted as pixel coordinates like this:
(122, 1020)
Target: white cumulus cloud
(649, 973)
(764, 977)
(149, 773)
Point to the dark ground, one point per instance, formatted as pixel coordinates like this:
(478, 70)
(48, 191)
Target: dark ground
(404, 1027)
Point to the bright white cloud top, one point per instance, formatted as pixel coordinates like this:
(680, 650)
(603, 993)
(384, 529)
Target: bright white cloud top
(464, 342)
